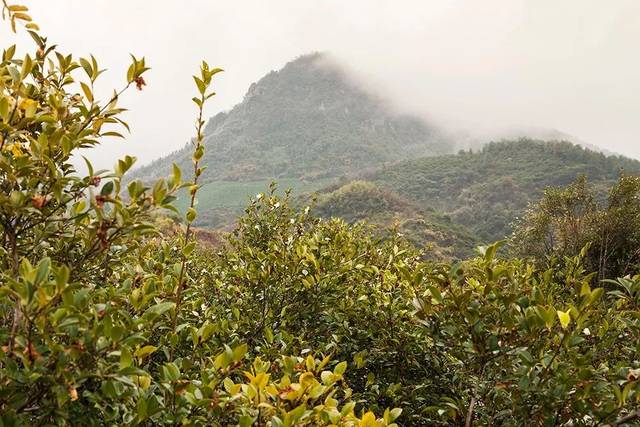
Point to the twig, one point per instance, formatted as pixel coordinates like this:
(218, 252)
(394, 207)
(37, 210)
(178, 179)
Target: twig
(630, 416)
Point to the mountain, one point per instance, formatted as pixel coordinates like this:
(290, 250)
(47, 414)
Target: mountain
(307, 121)
(313, 129)
(486, 190)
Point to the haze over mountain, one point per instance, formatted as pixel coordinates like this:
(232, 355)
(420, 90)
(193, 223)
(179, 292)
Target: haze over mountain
(476, 139)
(307, 121)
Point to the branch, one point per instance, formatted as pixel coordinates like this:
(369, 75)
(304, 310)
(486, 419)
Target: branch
(472, 405)
(630, 416)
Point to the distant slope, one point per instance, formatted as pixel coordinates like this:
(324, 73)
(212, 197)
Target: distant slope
(307, 121)
(221, 202)
(486, 190)
(364, 201)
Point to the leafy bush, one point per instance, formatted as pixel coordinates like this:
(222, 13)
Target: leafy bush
(487, 340)
(104, 319)
(525, 344)
(289, 282)
(97, 320)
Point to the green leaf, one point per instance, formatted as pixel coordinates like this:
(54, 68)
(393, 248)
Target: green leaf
(171, 371)
(245, 421)
(395, 413)
(42, 270)
(200, 84)
(177, 175)
(188, 249)
(191, 214)
(126, 359)
(340, 368)
(239, 352)
(107, 189)
(87, 67)
(160, 309)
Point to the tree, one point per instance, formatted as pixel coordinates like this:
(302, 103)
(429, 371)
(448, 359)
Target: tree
(568, 219)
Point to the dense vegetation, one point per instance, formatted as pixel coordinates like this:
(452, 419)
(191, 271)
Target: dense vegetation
(569, 219)
(486, 190)
(363, 201)
(107, 319)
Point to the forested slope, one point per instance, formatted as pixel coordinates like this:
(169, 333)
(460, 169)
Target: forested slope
(487, 189)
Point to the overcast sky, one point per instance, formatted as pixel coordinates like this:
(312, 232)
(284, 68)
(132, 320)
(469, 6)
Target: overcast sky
(570, 65)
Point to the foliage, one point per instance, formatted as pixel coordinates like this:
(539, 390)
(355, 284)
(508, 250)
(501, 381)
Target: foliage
(289, 282)
(97, 319)
(364, 201)
(17, 13)
(568, 219)
(487, 340)
(486, 190)
(533, 347)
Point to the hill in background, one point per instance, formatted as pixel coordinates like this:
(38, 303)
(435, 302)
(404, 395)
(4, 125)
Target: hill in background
(303, 126)
(308, 121)
(390, 212)
(451, 203)
(486, 190)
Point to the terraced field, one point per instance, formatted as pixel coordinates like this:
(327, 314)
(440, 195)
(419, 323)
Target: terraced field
(219, 202)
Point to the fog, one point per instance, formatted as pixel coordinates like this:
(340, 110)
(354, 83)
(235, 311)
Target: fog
(473, 67)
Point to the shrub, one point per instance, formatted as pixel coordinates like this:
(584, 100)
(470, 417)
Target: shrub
(97, 318)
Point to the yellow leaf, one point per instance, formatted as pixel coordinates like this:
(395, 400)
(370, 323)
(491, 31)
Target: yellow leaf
(87, 91)
(368, 420)
(260, 380)
(16, 150)
(565, 318)
(306, 379)
(29, 107)
(17, 8)
(144, 381)
(144, 351)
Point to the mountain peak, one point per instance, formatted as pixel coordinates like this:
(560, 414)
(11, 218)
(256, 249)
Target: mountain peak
(309, 120)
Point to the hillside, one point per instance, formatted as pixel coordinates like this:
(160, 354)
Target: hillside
(307, 121)
(487, 189)
(364, 201)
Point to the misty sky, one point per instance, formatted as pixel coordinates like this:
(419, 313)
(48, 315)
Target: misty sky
(570, 65)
